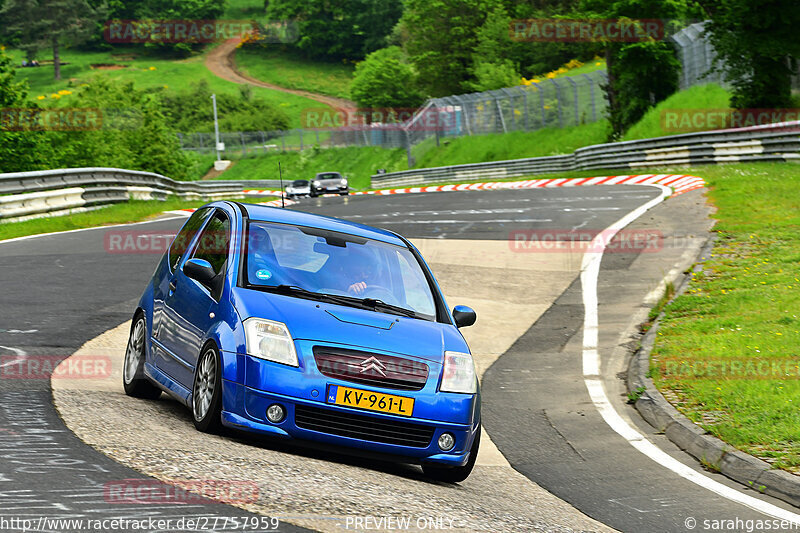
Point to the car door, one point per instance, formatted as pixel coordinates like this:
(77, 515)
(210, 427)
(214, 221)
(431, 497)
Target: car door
(165, 272)
(190, 307)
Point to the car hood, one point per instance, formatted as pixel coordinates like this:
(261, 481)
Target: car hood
(361, 328)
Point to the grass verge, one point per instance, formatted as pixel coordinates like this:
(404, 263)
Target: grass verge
(146, 71)
(727, 353)
(288, 69)
(133, 211)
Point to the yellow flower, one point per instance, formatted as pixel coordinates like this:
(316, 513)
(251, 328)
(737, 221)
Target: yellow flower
(598, 63)
(64, 92)
(2, 47)
(551, 75)
(40, 97)
(55, 95)
(166, 86)
(152, 68)
(534, 80)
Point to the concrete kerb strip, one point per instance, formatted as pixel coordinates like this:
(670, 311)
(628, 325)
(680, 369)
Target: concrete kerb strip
(712, 452)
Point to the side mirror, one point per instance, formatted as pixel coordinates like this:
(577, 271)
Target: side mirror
(464, 316)
(199, 270)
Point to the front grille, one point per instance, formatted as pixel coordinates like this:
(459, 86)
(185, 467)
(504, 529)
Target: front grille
(346, 424)
(372, 369)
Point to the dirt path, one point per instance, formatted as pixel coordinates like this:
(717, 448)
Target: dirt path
(221, 62)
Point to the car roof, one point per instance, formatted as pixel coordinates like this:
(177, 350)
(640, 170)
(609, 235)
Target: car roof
(329, 172)
(265, 213)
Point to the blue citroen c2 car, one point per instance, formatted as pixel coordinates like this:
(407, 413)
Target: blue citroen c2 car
(308, 327)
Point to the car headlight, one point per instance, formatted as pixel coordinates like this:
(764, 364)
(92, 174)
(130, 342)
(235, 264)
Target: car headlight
(343, 182)
(317, 184)
(270, 340)
(459, 373)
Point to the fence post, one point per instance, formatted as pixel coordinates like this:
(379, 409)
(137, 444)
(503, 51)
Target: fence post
(511, 104)
(283, 140)
(409, 157)
(463, 106)
(591, 96)
(301, 139)
(525, 104)
(541, 105)
(244, 144)
(500, 114)
(575, 99)
(560, 103)
(317, 132)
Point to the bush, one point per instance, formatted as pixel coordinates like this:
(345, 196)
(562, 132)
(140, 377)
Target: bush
(192, 111)
(385, 79)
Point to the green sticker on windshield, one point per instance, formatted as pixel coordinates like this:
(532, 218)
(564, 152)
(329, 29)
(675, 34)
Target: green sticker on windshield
(263, 274)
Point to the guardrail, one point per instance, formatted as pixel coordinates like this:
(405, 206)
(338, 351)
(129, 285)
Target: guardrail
(772, 142)
(38, 193)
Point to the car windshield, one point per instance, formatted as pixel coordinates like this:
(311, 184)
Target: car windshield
(299, 183)
(311, 262)
(329, 176)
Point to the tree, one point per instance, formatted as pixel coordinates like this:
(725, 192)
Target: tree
(19, 150)
(440, 37)
(52, 23)
(640, 74)
(492, 64)
(385, 79)
(347, 29)
(755, 41)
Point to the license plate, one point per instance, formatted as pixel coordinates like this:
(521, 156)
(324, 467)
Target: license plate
(371, 401)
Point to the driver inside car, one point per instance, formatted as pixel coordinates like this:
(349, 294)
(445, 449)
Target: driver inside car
(362, 277)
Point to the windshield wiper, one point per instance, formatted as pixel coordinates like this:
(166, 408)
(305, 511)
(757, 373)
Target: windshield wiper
(361, 303)
(395, 309)
(300, 292)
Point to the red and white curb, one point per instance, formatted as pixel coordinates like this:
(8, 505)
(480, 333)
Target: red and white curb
(271, 203)
(678, 183)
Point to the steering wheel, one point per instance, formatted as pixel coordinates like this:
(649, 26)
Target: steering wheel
(380, 293)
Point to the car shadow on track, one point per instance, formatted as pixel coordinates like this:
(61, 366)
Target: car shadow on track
(177, 412)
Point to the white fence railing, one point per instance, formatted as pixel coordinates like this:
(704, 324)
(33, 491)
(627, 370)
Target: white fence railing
(30, 194)
(773, 142)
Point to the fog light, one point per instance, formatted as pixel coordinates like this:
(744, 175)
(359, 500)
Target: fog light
(275, 413)
(446, 442)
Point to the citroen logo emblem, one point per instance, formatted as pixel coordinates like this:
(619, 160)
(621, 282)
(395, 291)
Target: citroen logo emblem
(373, 364)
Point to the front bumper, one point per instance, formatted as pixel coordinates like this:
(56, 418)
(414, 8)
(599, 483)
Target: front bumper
(331, 190)
(245, 406)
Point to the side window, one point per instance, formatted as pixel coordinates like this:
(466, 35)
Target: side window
(214, 242)
(185, 236)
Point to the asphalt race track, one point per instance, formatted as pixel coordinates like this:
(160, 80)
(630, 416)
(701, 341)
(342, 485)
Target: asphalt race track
(60, 291)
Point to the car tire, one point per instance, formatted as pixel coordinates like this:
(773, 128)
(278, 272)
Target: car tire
(207, 391)
(133, 378)
(458, 473)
